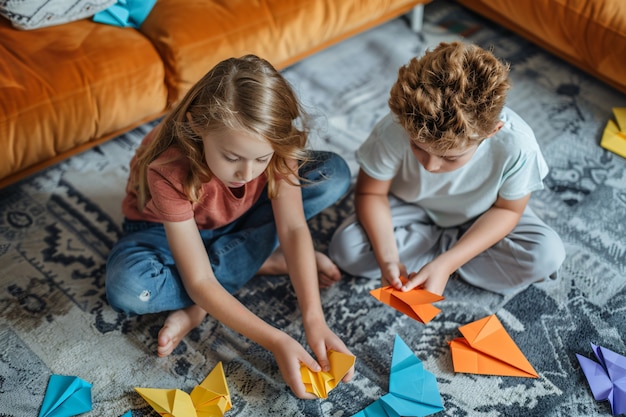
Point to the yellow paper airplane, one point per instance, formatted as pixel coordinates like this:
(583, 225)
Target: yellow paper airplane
(614, 136)
(209, 399)
(320, 383)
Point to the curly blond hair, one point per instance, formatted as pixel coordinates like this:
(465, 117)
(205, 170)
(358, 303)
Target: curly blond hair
(245, 93)
(451, 97)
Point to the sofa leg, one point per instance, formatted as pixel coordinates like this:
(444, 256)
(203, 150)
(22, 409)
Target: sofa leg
(416, 18)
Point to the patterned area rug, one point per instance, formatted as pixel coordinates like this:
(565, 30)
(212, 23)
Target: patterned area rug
(57, 227)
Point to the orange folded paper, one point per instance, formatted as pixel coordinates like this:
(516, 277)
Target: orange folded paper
(320, 383)
(487, 348)
(414, 303)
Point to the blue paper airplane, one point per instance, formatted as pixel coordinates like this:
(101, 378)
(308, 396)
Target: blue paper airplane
(413, 390)
(66, 396)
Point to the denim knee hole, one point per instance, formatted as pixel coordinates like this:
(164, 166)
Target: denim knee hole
(145, 296)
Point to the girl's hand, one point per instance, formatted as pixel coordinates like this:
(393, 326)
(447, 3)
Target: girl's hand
(431, 277)
(289, 354)
(391, 273)
(322, 339)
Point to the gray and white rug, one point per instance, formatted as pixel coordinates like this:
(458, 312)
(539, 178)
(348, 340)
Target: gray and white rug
(57, 227)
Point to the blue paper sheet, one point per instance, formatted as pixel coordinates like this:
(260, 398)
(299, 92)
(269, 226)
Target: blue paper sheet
(125, 13)
(66, 396)
(413, 391)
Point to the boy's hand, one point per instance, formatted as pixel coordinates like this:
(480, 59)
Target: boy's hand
(430, 277)
(391, 273)
(322, 339)
(289, 354)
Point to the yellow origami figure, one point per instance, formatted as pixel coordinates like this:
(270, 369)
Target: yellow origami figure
(614, 136)
(320, 383)
(209, 399)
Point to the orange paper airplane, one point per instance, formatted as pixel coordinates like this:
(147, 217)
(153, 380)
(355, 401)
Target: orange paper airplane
(487, 348)
(320, 383)
(414, 303)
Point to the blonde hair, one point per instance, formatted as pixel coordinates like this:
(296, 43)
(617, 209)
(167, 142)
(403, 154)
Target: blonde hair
(451, 97)
(245, 93)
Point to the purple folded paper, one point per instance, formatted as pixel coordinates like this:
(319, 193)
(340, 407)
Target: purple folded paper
(607, 377)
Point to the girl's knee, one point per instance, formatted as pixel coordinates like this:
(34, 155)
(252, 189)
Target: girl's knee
(330, 168)
(125, 281)
(327, 181)
(123, 302)
(124, 295)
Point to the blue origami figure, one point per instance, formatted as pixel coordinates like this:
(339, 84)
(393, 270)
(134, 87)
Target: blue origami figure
(66, 396)
(413, 390)
(607, 379)
(126, 13)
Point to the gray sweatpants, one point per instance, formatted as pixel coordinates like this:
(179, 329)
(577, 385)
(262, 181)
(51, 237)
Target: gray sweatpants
(531, 252)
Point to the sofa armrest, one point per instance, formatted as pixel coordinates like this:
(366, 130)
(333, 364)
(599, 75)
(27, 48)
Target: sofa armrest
(590, 34)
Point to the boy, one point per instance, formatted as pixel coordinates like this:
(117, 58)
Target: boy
(444, 183)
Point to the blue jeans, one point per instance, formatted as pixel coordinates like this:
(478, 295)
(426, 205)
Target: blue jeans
(141, 275)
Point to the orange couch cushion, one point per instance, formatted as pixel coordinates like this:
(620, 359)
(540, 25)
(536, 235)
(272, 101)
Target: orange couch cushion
(192, 36)
(65, 86)
(590, 34)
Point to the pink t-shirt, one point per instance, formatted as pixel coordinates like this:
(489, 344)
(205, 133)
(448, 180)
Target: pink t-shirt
(217, 206)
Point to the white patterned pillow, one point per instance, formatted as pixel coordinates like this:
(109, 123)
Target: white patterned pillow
(34, 14)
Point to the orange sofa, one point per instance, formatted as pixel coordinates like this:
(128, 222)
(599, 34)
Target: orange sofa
(66, 88)
(590, 34)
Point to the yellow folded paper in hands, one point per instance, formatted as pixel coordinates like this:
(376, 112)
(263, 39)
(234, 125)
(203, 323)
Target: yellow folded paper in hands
(614, 136)
(320, 383)
(209, 399)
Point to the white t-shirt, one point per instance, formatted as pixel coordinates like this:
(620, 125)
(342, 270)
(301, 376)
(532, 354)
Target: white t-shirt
(509, 165)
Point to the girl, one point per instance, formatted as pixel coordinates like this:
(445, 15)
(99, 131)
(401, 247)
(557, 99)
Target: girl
(212, 190)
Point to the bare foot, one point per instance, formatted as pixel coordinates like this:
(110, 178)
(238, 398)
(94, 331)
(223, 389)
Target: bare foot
(327, 271)
(176, 326)
(274, 265)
